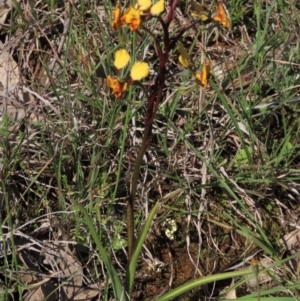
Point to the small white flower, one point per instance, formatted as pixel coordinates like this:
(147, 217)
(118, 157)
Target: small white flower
(171, 228)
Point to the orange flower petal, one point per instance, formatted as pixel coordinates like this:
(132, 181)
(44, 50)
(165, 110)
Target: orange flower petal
(204, 75)
(118, 88)
(117, 14)
(111, 82)
(221, 16)
(132, 17)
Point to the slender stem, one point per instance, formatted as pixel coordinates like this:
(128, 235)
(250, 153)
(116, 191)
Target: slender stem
(152, 107)
(130, 203)
(171, 12)
(154, 100)
(153, 103)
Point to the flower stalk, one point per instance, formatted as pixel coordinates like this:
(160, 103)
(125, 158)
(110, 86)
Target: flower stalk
(135, 18)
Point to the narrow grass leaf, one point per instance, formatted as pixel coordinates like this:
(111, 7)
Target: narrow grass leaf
(139, 244)
(264, 299)
(204, 280)
(264, 244)
(279, 289)
(286, 149)
(116, 283)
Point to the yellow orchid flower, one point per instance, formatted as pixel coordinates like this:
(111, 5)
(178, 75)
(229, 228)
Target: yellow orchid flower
(139, 70)
(184, 60)
(158, 7)
(204, 75)
(221, 16)
(118, 88)
(121, 58)
(117, 14)
(184, 57)
(132, 17)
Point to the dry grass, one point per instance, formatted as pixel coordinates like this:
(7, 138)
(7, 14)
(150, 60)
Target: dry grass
(224, 163)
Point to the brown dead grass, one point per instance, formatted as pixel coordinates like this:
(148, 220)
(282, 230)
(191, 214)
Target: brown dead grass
(58, 145)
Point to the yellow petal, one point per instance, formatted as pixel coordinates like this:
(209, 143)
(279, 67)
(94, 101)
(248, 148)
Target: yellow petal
(130, 13)
(201, 16)
(121, 58)
(144, 4)
(158, 7)
(139, 70)
(184, 57)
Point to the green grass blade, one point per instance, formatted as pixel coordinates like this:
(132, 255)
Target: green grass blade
(139, 244)
(204, 280)
(279, 289)
(264, 299)
(116, 283)
(232, 193)
(264, 244)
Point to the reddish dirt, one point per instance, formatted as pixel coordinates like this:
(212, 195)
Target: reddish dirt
(179, 269)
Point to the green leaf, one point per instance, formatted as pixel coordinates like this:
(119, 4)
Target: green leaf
(204, 280)
(139, 244)
(116, 283)
(263, 299)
